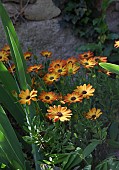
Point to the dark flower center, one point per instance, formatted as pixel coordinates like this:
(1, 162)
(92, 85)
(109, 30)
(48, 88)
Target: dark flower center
(73, 98)
(85, 55)
(93, 116)
(27, 57)
(84, 92)
(57, 65)
(51, 78)
(28, 97)
(47, 97)
(60, 70)
(0, 57)
(59, 114)
(34, 69)
(46, 55)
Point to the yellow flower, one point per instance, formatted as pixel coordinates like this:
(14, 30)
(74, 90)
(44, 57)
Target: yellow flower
(59, 113)
(60, 70)
(4, 56)
(56, 63)
(46, 54)
(34, 68)
(116, 45)
(26, 96)
(27, 55)
(72, 68)
(86, 55)
(93, 114)
(88, 63)
(73, 98)
(47, 97)
(71, 60)
(99, 59)
(85, 91)
(49, 78)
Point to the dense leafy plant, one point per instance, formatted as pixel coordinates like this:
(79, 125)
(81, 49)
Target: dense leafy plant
(89, 22)
(65, 109)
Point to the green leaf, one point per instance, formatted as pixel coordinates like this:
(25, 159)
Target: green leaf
(12, 105)
(7, 80)
(110, 67)
(9, 144)
(15, 48)
(90, 148)
(114, 130)
(87, 167)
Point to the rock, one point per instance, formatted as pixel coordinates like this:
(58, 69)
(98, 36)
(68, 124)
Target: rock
(46, 35)
(41, 10)
(11, 8)
(18, 1)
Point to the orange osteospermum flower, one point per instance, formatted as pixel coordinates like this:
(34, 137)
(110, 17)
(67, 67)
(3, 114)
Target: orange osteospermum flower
(99, 59)
(73, 98)
(34, 68)
(27, 55)
(116, 45)
(86, 55)
(93, 114)
(60, 70)
(6, 48)
(12, 68)
(26, 96)
(46, 53)
(88, 63)
(59, 113)
(47, 97)
(71, 60)
(49, 78)
(85, 91)
(72, 68)
(56, 63)
(4, 56)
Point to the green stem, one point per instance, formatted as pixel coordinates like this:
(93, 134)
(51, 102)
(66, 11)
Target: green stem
(34, 147)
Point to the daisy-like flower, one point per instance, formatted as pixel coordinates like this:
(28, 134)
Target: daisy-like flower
(116, 44)
(49, 78)
(34, 68)
(12, 68)
(4, 56)
(86, 55)
(59, 113)
(27, 55)
(60, 70)
(72, 68)
(26, 96)
(93, 114)
(88, 63)
(46, 53)
(6, 48)
(56, 63)
(73, 98)
(47, 97)
(71, 60)
(99, 59)
(85, 91)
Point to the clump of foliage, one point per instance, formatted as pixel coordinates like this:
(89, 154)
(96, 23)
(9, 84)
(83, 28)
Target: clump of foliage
(87, 21)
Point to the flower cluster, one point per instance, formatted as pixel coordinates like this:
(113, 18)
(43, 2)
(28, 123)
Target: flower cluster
(58, 74)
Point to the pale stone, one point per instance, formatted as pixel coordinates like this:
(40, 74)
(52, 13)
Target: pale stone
(18, 1)
(46, 35)
(41, 10)
(11, 8)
